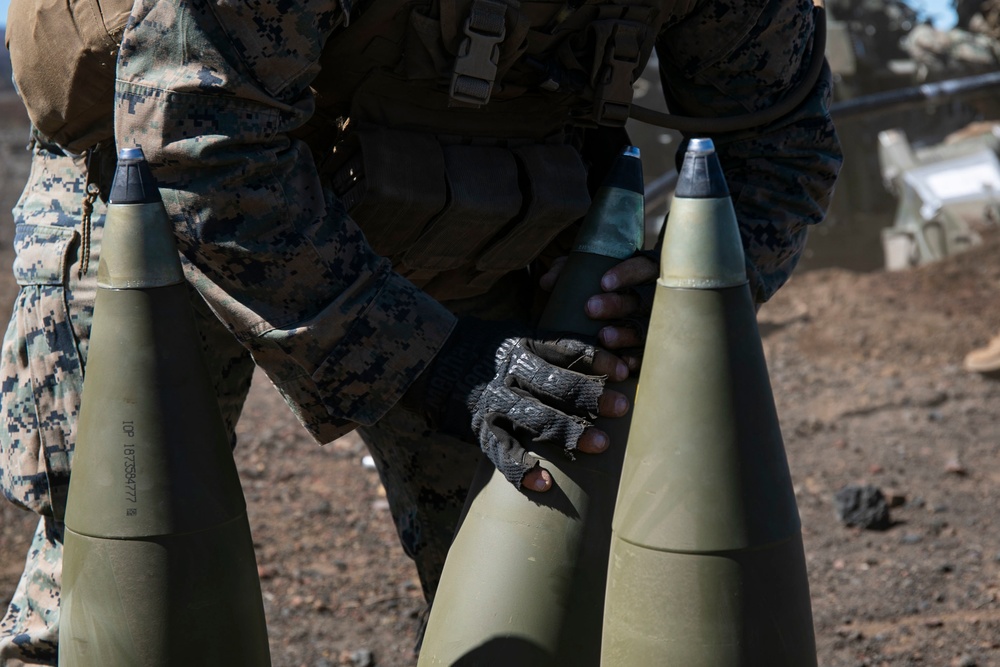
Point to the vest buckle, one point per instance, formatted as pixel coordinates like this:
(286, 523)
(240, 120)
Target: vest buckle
(613, 87)
(478, 54)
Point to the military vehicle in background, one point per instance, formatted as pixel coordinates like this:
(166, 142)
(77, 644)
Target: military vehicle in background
(947, 193)
(894, 73)
(864, 45)
(917, 182)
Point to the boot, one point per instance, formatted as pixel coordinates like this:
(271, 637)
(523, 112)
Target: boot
(985, 359)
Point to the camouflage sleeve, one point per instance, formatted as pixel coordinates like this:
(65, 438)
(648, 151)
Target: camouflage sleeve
(730, 57)
(211, 91)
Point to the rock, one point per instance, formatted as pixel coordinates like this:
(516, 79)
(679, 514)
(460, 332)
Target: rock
(320, 508)
(862, 506)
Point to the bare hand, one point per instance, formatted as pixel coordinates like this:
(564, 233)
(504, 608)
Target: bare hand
(622, 303)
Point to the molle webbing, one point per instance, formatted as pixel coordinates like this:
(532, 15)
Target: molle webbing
(401, 63)
(455, 217)
(510, 78)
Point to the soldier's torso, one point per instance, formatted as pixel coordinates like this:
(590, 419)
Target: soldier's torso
(457, 123)
(459, 147)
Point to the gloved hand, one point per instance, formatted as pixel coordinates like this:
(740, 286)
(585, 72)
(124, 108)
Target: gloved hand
(626, 303)
(498, 385)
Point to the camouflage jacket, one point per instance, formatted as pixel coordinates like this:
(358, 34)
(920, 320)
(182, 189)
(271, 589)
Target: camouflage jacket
(213, 93)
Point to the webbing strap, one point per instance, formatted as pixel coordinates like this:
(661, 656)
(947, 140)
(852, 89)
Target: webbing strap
(478, 54)
(613, 84)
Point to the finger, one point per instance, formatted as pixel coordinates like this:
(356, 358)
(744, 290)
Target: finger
(548, 279)
(537, 479)
(611, 365)
(620, 337)
(612, 404)
(613, 306)
(557, 422)
(504, 450)
(593, 441)
(634, 362)
(629, 273)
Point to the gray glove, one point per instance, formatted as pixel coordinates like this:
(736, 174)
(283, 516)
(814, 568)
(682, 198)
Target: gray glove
(496, 385)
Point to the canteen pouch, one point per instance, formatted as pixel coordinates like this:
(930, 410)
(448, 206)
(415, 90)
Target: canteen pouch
(555, 180)
(392, 185)
(483, 197)
(42, 374)
(455, 217)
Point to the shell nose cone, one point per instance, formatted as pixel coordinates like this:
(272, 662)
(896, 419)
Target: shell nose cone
(133, 182)
(614, 225)
(701, 146)
(701, 243)
(626, 171)
(134, 153)
(701, 173)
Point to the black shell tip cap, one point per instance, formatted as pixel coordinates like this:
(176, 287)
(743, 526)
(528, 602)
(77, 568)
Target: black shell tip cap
(133, 182)
(701, 174)
(626, 171)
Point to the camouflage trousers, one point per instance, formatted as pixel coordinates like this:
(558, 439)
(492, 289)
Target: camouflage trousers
(426, 476)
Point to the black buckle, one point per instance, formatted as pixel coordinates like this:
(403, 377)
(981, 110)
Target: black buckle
(478, 54)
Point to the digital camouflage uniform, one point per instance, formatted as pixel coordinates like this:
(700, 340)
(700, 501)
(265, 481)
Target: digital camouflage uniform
(216, 96)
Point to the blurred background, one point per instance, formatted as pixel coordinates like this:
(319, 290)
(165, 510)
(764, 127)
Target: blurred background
(917, 100)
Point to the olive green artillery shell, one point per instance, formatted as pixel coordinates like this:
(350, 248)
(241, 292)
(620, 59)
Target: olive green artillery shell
(707, 469)
(182, 599)
(706, 561)
(747, 608)
(159, 567)
(702, 248)
(525, 577)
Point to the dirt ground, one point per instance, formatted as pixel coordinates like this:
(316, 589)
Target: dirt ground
(866, 372)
